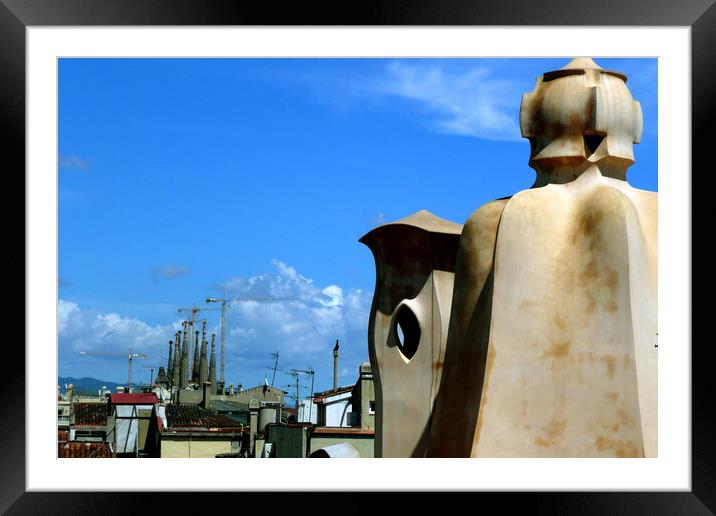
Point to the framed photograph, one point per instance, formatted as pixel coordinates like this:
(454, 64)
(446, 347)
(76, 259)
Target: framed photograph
(335, 134)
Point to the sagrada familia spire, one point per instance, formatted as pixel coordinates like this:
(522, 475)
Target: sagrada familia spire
(195, 360)
(185, 371)
(176, 365)
(170, 363)
(203, 362)
(212, 364)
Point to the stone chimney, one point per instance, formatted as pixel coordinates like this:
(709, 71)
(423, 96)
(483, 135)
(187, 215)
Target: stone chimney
(254, 407)
(206, 396)
(70, 390)
(335, 366)
(212, 363)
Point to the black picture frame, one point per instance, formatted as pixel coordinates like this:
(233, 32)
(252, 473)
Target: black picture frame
(17, 15)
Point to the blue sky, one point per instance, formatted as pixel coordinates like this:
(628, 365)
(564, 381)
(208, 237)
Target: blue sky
(181, 179)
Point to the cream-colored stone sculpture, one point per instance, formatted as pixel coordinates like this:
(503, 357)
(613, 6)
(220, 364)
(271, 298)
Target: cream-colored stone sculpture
(551, 347)
(415, 260)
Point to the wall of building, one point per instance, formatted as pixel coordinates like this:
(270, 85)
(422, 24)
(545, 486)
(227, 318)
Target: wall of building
(257, 393)
(288, 441)
(194, 447)
(307, 412)
(336, 410)
(364, 399)
(131, 424)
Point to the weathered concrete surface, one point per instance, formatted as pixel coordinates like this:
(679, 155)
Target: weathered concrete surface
(414, 266)
(568, 366)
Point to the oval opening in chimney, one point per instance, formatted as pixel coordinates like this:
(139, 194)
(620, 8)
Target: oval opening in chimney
(406, 331)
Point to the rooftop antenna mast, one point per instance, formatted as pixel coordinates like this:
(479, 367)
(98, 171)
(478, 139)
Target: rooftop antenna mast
(275, 367)
(295, 374)
(224, 300)
(313, 374)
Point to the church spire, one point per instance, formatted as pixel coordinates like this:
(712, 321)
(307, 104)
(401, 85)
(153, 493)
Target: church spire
(195, 360)
(170, 362)
(212, 364)
(176, 369)
(185, 371)
(203, 364)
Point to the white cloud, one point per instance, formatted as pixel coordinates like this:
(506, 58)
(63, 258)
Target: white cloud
(468, 102)
(335, 295)
(64, 310)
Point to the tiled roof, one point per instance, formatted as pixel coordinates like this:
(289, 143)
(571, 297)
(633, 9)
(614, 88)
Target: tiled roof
(184, 415)
(229, 406)
(319, 396)
(90, 414)
(191, 417)
(124, 398)
(74, 450)
(219, 422)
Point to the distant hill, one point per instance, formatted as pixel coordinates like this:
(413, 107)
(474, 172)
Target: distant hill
(92, 385)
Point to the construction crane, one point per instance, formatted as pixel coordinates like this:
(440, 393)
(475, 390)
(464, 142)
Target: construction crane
(194, 310)
(224, 302)
(129, 356)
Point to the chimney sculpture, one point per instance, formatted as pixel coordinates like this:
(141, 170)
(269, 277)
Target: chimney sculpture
(551, 297)
(212, 364)
(203, 363)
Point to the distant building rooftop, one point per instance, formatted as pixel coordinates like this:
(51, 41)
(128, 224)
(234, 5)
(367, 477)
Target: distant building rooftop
(74, 450)
(187, 417)
(229, 406)
(123, 398)
(89, 414)
(319, 396)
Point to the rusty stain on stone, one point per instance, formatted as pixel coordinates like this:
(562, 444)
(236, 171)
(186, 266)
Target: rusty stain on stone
(554, 432)
(618, 447)
(559, 322)
(610, 362)
(557, 350)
